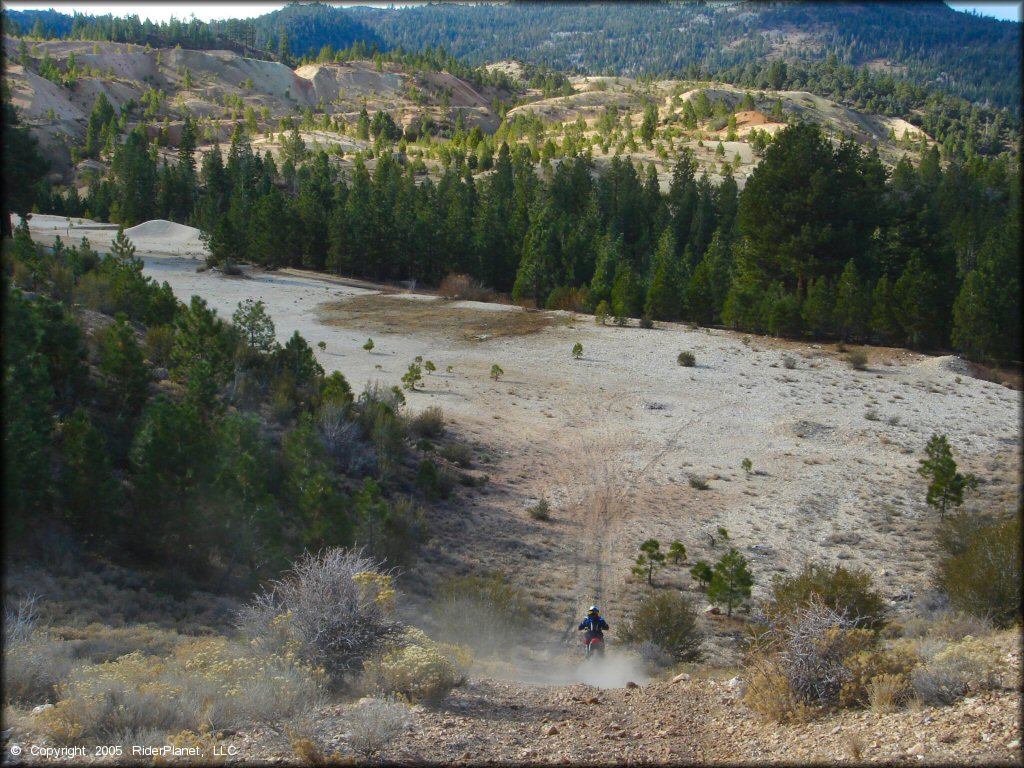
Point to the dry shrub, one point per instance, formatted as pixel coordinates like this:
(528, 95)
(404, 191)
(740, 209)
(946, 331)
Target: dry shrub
(333, 609)
(807, 651)
(844, 590)
(567, 299)
(669, 620)
(417, 668)
(308, 748)
(34, 668)
(20, 620)
(946, 624)
(865, 666)
(205, 682)
(981, 567)
(959, 668)
(886, 693)
(374, 723)
(769, 694)
(460, 286)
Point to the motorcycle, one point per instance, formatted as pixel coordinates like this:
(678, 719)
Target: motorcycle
(593, 646)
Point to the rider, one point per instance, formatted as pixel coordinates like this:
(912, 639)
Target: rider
(594, 624)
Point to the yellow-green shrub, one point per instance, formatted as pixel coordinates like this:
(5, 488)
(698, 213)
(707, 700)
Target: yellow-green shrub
(866, 665)
(418, 668)
(207, 681)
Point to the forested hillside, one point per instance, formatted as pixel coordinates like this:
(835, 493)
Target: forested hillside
(924, 42)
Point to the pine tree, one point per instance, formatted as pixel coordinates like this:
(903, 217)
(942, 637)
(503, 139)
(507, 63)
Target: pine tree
(665, 294)
(731, 581)
(946, 486)
(852, 304)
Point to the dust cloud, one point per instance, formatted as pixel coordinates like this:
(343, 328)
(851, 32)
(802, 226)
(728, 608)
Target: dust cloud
(559, 668)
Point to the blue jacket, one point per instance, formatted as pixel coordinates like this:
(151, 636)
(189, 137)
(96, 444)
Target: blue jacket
(594, 624)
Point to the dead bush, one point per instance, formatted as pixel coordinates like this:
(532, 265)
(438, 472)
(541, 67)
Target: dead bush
(335, 606)
(20, 620)
(809, 647)
(460, 286)
(374, 723)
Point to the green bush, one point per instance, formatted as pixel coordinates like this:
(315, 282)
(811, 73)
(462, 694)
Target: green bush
(981, 567)
(540, 511)
(699, 483)
(428, 423)
(459, 454)
(686, 359)
(857, 359)
(433, 482)
(841, 589)
(668, 620)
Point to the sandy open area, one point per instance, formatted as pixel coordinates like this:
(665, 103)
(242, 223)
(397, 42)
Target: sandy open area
(612, 440)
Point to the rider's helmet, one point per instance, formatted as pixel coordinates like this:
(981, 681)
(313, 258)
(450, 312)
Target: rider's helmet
(593, 610)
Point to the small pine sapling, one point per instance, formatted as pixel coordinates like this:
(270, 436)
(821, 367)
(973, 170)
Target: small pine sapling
(496, 372)
(368, 346)
(677, 551)
(429, 366)
(577, 351)
(412, 377)
(731, 582)
(747, 465)
(701, 573)
(650, 557)
(601, 313)
(322, 345)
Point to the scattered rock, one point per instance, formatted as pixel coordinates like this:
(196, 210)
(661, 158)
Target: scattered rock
(682, 677)
(552, 731)
(713, 609)
(734, 682)
(631, 684)
(41, 708)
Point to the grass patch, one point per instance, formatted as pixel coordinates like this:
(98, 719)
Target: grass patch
(394, 314)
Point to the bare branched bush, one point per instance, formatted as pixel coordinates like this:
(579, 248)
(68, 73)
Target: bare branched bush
(336, 605)
(20, 621)
(374, 723)
(808, 648)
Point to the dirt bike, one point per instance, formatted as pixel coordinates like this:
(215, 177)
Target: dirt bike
(593, 647)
